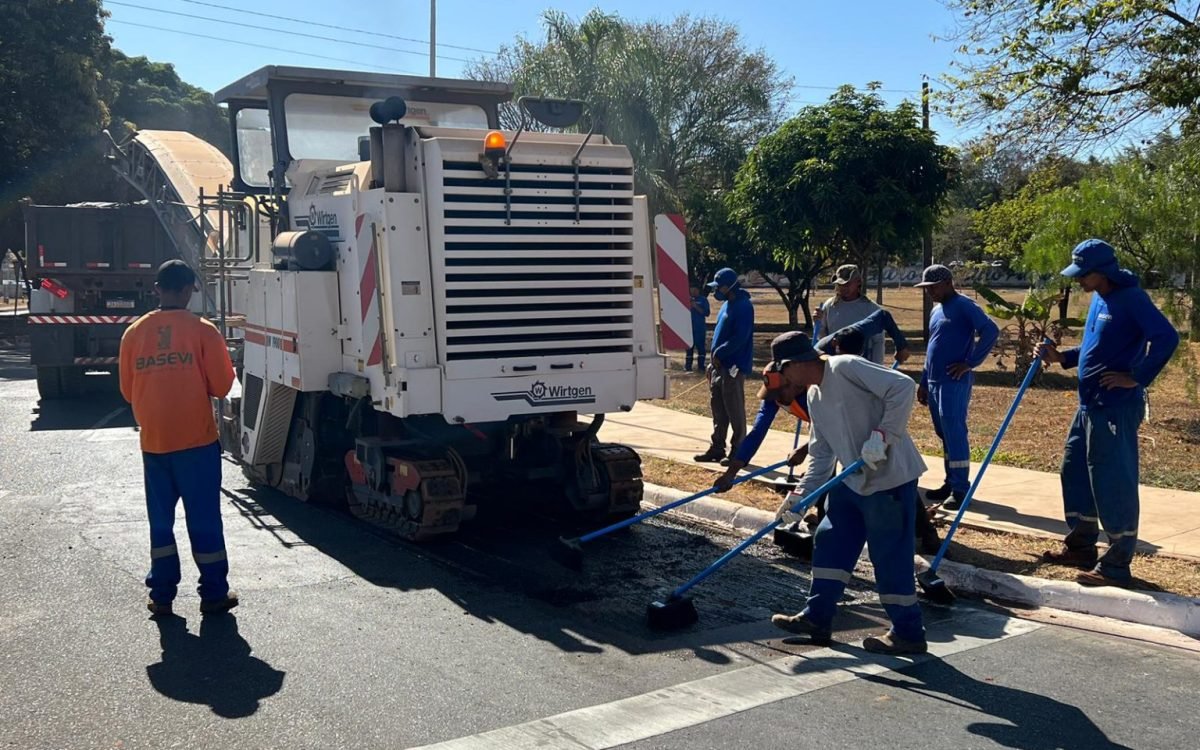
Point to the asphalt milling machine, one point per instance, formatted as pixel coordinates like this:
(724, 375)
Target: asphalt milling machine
(430, 317)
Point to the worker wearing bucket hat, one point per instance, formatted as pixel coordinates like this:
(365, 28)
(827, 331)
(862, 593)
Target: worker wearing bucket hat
(1126, 343)
(848, 306)
(859, 410)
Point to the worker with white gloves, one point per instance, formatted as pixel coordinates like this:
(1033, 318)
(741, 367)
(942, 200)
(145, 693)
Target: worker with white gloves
(859, 410)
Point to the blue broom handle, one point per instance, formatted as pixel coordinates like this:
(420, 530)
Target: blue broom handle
(796, 508)
(1029, 376)
(669, 506)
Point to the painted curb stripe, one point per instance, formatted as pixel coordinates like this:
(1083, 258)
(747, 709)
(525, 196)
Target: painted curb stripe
(688, 704)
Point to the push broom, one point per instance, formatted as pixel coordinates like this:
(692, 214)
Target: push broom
(934, 588)
(569, 552)
(678, 611)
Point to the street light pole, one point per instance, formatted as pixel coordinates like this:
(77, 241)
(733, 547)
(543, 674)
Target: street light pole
(927, 239)
(433, 38)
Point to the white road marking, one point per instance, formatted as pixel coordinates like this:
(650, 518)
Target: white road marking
(691, 703)
(108, 418)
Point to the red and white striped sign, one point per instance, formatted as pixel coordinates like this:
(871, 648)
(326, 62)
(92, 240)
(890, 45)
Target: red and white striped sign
(674, 299)
(80, 319)
(368, 297)
(96, 360)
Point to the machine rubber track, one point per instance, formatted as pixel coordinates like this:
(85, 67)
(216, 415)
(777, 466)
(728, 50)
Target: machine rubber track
(434, 508)
(623, 467)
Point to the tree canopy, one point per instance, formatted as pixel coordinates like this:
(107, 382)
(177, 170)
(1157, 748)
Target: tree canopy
(686, 96)
(1074, 73)
(64, 84)
(849, 178)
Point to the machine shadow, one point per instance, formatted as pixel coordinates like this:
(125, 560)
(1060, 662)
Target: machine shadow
(14, 363)
(96, 408)
(1022, 719)
(498, 569)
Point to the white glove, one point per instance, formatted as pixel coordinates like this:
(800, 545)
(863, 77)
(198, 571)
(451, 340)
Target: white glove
(874, 451)
(784, 513)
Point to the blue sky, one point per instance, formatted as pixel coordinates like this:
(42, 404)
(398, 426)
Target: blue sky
(820, 43)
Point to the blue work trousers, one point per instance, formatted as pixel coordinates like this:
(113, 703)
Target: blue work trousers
(194, 475)
(884, 522)
(1100, 482)
(697, 347)
(948, 402)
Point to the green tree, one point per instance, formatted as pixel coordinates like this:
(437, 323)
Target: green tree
(142, 94)
(67, 84)
(1075, 72)
(846, 178)
(686, 96)
(52, 104)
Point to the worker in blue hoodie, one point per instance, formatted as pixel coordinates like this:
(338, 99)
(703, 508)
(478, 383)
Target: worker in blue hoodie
(731, 358)
(1126, 342)
(700, 311)
(961, 335)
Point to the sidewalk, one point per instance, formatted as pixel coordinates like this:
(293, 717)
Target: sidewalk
(1009, 499)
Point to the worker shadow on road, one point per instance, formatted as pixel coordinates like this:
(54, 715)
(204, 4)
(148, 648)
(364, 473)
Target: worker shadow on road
(1023, 719)
(213, 668)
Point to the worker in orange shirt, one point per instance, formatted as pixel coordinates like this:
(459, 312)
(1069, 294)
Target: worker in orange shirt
(172, 364)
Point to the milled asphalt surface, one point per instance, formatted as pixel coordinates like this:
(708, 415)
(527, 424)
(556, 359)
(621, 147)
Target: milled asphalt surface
(347, 638)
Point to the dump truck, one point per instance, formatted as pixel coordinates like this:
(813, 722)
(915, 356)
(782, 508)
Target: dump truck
(428, 310)
(92, 269)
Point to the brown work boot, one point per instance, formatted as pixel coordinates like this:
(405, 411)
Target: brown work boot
(158, 609)
(217, 606)
(801, 625)
(1075, 557)
(889, 643)
(1096, 578)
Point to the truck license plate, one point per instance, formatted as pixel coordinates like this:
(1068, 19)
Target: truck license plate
(119, 304)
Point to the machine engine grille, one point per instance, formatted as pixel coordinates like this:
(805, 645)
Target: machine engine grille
(532, 277)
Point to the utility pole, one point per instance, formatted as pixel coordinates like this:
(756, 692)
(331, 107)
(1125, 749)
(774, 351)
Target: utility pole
(433, 38)
(927, 240)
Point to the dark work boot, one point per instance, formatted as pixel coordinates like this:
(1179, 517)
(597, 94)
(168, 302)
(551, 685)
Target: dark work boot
(955, 501)
(710, 456)
(889, 643)
(938, 495)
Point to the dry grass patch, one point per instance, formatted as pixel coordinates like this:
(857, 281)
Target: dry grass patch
(992, 550)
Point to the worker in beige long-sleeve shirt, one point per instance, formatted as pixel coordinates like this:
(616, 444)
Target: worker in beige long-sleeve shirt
(858, 409)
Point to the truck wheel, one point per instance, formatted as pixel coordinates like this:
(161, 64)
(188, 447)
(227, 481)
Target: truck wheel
(74, 381)
(49, 383)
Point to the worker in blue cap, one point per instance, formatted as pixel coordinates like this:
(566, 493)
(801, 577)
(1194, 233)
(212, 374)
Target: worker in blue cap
(731, 358)
(961, 335)
(1126, 342)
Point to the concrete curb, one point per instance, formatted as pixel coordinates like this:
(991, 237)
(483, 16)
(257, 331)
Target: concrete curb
(1162, 610)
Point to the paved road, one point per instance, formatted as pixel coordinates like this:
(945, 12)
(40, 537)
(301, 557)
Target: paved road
(350, 639)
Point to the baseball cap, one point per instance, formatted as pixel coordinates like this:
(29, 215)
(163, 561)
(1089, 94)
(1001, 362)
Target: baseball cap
(793, 346)
(175, 275)
(935, 274)
(845, 274)
(1090, 255)
(724, 277)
